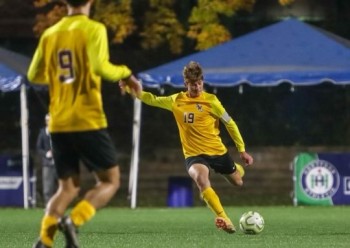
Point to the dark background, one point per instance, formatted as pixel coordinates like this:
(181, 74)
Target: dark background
(271, 116)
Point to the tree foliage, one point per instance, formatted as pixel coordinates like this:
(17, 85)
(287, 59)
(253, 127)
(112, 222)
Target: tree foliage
(162, 26)
(160, 23)
(286, 2)
(45, 20)
(117, 16)
(205, 26)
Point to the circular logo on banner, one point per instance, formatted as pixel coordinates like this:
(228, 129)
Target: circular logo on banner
(320, 179)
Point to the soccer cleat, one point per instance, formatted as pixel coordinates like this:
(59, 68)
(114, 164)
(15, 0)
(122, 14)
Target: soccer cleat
(40, 244)
(240, 169)
(225, 224)
(67, 227)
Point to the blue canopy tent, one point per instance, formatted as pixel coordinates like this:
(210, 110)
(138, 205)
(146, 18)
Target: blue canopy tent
(13, 69)
(288, 51)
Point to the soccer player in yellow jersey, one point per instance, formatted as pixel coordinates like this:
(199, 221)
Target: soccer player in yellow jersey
(72, 57)
(197, 115)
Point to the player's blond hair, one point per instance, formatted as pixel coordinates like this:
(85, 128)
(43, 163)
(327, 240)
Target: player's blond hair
(192, 72)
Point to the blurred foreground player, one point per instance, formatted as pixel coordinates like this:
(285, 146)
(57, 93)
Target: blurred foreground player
(72, 57)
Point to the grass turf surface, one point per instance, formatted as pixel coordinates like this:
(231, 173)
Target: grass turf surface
(321, 227)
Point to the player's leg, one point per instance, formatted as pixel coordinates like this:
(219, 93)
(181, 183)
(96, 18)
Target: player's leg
(67, 167)
(200, 175)
(224, 165)
(67, 191)
(231, 171)
(106, 186)
(240, 169)
(236, 177)
(98, 155)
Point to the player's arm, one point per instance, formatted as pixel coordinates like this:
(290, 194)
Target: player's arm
(229, 123)
(165, 102)
(233, 130)
(37, 68)
(99, 57)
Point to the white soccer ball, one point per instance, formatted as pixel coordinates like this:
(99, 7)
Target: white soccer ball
(251, 223)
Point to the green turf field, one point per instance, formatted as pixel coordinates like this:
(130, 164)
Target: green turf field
(297, 227)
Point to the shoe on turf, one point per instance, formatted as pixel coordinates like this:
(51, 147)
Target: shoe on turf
(240, 169)
(225, 225)
(39, 244)
(67, 227)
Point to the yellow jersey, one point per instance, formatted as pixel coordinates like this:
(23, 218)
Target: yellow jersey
(198, 122)
(71, 58)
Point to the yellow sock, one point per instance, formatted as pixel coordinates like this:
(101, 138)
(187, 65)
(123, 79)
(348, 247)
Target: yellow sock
(213, 202)
(240, 169)
(82, 213)
(48, 230)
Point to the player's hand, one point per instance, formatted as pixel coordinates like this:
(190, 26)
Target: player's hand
(123, 87)
(131, 85)
(246, 158)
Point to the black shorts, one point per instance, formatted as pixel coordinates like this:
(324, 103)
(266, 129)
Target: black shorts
(222, 164)
(94, 148)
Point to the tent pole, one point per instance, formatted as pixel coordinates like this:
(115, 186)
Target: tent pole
(25, 144)
(135, 152)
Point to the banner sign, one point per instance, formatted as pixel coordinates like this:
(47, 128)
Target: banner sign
(11, 181)
(321, 179)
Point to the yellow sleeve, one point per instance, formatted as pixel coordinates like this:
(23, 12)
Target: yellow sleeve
(233, 130)
(99, 56)
(165, 102)
(37, 69)
(229, 123)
